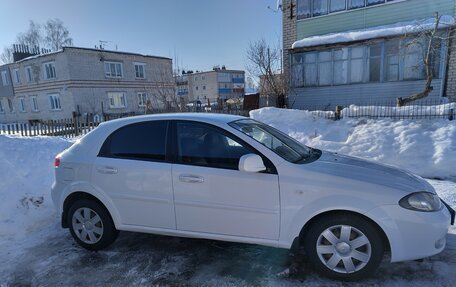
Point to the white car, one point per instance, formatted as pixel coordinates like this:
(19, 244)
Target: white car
(235, 179)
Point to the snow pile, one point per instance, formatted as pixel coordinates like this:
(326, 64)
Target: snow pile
(27, 173)
(402, 28)
(425, 147)
(385, 111)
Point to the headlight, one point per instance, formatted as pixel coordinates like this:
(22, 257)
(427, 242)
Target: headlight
(421, 201)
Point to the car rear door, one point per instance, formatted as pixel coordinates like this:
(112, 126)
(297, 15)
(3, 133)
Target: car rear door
(133, 170)
(211, 194)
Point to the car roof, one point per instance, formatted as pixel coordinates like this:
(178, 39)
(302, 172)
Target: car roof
(204, 117)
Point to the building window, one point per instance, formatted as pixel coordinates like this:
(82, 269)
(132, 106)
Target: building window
(11, 105)
(17, 80)
(353, 4)
(117, 100)
(320, 7)
(297, 70)
(304, 9)
(392, 60)
(49, 71)
(310, 69)
(34, 103)
(54, 102)
(196, 88)
(374, 2)
(140, 71)
(340, 69)
(204, 87)
(384, 61)
(337, 5)
(2, 110)
(29, 74)
(5, 78)
(203, 78)
(113, 69)
(357, 64)
(375, 62)
(413, 68)
(142, 99)
(22, 104)
(324, 68)
(314, 8)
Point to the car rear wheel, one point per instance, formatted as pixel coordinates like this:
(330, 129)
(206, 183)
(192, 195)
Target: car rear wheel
(344, 247)
(91, 225)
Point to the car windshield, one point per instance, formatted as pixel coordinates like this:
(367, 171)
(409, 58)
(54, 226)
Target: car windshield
(278, 142)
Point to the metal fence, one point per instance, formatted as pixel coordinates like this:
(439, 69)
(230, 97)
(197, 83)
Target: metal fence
(77, 126)
(67, 128)
(431, 109)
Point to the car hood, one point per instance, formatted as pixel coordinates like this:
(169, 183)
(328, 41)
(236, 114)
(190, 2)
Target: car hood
(357, 169)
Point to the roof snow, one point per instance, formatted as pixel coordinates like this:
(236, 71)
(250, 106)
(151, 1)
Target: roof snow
(401, 28)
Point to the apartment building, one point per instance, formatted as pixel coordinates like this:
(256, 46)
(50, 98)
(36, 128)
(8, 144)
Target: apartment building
(82, 81)
(342, 52)
(211, 87)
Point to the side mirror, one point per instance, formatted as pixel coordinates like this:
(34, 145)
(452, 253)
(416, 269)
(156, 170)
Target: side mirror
(251, 163)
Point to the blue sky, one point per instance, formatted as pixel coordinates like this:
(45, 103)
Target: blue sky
(202, 33)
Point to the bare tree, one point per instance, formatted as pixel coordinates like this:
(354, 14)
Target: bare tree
(163, 96)
(57, 35)
(427, 42)
(32, 37)
(7, 55)
(265, 62)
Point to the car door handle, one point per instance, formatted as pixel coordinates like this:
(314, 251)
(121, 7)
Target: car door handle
(107, 170)
(190, 178)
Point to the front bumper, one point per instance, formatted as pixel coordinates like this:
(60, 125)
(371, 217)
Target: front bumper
(412, 234)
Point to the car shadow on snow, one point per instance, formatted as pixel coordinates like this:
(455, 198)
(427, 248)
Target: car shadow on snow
(145, 260)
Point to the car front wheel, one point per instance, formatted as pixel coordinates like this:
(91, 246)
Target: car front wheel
(344, 247)
(91, 225)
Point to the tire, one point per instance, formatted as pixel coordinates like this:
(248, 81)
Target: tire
(364, 247)
(91, 225)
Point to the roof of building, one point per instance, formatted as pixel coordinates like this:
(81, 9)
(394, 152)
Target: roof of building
(117, 52)
(89, 49)
(213, 71)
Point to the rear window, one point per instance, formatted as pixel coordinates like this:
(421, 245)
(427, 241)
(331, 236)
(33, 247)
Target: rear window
(141, 141)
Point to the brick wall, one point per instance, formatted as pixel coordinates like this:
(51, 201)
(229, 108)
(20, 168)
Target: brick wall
(288, 31)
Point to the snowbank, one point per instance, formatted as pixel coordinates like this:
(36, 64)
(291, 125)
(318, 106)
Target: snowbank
(425, 147)
(401, 28)
(26, 175)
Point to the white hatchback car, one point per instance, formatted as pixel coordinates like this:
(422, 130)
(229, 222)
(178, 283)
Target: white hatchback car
(232, 178)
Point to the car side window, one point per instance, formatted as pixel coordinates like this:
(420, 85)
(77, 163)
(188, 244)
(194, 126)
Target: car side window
(200, 144)
(140, 141)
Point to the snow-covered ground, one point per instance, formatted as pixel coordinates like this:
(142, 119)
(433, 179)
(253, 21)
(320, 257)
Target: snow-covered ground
(35, 251)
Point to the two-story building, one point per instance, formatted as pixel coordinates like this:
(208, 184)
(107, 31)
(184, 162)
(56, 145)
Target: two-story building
(342, 52)
(211, 87)
(83, 81)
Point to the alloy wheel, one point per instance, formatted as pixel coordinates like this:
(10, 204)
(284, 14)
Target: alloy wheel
(87, 225)
(343, 249)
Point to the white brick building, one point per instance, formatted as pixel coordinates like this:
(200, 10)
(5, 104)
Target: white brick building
(83, 81)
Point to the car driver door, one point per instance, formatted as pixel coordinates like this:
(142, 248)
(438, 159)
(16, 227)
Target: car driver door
(212, 195)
